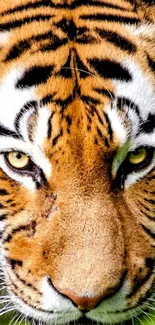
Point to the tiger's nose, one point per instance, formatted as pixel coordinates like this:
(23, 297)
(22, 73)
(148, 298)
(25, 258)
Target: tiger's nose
(82, 303)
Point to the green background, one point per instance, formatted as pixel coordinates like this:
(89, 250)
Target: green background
(150, 320)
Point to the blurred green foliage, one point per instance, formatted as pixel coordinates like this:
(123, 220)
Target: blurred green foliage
(145, 320)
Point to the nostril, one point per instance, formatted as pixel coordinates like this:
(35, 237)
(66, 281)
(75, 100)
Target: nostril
(84, 304)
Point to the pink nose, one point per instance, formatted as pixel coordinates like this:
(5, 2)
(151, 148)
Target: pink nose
(82, 303)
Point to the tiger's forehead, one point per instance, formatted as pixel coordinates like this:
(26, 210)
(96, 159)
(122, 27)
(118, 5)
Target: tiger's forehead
(72, 70)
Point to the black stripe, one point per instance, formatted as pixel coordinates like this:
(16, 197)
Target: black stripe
(54, 44)
(29, 105)
(148, 231)
(47, 100)
(55, 140)
(147, 215)
(148, 126)
(8, 133)
(15, 263)
(105, 92)
(131, 1)
(82, 69)
(48, 3)
(120, 41)
(43, 36)
(123, 101)
(110, 69)
(35, 76)
(18, 23)
(3, 192)
(7, 239)
(78, 34)
(17, 50)
(27, 227)
(21, 228)
(63, 103)
(30, 5)
(139, 284)
(149, 262)
(149, 192)
(2, 206)
(151, 63)
(149, 201)
(144, 206)
(69, 120)
(49, 131)
(110, 131)
(90, 100)
(95, 3)
(99, 132)
(151, 177)
(111, 18)
(106, 142)
(148, 2)
(3, 217)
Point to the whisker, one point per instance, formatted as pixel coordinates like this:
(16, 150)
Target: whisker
(139, 319)
(92, 75)
(22, 318)
(148, 316)
(6, 311)
(18, 318)
(16, 315)
(150, 307)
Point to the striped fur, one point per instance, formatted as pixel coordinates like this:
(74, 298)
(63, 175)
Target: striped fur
(77, 84)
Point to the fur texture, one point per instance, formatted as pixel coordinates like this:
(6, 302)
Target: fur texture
(77, 82)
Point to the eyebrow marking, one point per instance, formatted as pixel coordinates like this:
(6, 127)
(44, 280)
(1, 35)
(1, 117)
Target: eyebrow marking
(29, 106)
(8, 133)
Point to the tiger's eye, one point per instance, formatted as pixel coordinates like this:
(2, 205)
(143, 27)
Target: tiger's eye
(18, 159)
(138, 156)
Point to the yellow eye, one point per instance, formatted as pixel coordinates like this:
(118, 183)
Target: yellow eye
(18, 159)
(138, 156)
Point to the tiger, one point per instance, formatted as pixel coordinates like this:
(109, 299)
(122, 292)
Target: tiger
(77, 160)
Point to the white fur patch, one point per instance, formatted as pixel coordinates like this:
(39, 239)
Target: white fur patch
(139, 90)
(117, 126)
(4, 38)
(52, 300)
(42, 126)
(13, 99)
(53, 315)
(145, 31)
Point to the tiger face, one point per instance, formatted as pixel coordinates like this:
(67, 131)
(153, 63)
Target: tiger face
(77, 158)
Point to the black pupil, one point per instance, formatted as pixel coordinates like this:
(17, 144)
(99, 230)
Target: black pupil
(18, 155)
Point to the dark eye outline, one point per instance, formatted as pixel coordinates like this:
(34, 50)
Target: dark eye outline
(127, 167)
(28, 168)
(130, 167)
(31, 170)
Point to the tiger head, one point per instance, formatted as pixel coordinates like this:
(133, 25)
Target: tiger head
(77, 157)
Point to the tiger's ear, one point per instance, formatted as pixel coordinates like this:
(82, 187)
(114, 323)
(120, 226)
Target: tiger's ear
(146, 9)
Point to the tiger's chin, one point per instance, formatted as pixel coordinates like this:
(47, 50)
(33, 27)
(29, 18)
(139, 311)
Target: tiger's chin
(92, 318)
(96, 316)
